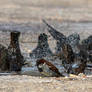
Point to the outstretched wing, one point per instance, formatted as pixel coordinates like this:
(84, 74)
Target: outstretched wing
(56, 35)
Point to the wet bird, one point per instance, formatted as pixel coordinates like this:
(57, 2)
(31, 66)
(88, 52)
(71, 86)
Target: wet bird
(14, 57)
(74, 63)
(4, 65)
(80, 62)
(67, 56)
(87, 43)
(46, 68)
(78, 66)
(42, 49)
(70, 47)
(68, 53)
(72, 40)
(59, 37)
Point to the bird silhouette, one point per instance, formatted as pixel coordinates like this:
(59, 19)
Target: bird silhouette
(59, 37)
(68, 53)
(72, 40)
(11, 58)
(42, 49)
(14, 57)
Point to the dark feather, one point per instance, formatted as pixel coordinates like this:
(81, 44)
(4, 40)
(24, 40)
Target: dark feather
(50, 66)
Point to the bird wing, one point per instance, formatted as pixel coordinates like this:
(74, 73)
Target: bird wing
(56, 35)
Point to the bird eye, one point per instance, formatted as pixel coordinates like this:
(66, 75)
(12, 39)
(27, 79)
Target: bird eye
(40, 66)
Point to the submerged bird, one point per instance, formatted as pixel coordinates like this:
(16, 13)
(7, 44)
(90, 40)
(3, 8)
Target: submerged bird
(47, 69)
(14, 57)
(42, 49)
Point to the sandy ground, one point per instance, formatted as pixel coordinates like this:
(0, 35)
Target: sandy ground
(38, 84)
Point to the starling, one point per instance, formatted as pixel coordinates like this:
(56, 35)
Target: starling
(42, 49)
(15, 58)
(73, 63)
(68, 53)
(73, 41)
(79, 64)
(59, 37)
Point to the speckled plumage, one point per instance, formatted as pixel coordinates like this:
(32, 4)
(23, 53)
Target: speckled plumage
(42, 49)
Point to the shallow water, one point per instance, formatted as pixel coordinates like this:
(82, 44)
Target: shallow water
(29, 36)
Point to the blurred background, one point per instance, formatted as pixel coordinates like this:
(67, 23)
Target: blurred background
(35, 10)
